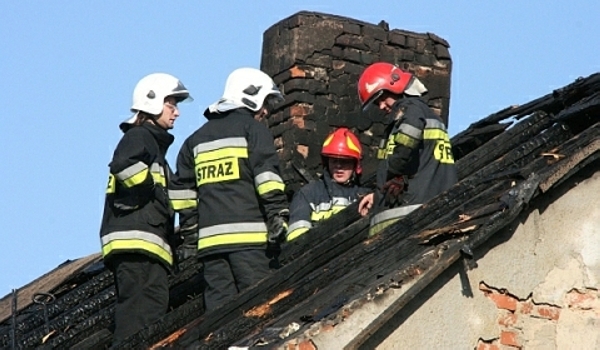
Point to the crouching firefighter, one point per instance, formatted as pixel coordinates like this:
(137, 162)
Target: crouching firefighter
(137, 232)
(236, 201)
(338, 187)
(416, 162)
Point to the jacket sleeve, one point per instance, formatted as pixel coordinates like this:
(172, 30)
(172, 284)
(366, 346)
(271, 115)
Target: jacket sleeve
(408, 137)
(265, 169)
(184, 192)
(300, 211)
(130, 176)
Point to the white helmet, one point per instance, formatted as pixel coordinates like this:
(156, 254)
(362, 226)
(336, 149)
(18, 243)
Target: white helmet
(247, 88)
(150, 92)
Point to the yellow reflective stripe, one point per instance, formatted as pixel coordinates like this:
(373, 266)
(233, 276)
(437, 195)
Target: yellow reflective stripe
(159, 179)
(375, 229)
(435, 134)
(219, 165)
(112, 184)
(136, 179)
(232, 238)
(406, 140)
(129, 244)
(181, 204)
(351, 145)
(228, 152)
(296, 233)
(322, 215)
(387, 217)
(443, 149)
(411, 131)
(269, 186)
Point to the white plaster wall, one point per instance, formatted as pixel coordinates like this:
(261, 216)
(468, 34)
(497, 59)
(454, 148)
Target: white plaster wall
(554, 250)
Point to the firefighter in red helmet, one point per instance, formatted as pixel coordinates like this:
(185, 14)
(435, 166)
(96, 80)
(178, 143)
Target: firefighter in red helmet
(416, 162)
(338, 187)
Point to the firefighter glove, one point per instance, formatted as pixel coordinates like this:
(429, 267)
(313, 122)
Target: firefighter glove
(277, 227)
(189, 246)
(393, 189)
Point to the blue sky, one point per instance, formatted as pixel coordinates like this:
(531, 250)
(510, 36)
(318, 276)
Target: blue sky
(68, 69)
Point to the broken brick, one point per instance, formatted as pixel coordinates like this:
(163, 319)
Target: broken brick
(547, 312)
(296, 72)
(507, 320)
(484, 345)
(504, 301)
(307, 345)
(510, 339)
(586, 300)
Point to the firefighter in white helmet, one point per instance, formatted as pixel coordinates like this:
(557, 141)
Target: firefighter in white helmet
(137, 232)
(235, 202)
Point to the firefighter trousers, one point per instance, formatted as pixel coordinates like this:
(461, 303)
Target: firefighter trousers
(227, 274)
(142, 294)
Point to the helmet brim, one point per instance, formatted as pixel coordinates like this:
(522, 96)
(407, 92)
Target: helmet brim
(366, 106)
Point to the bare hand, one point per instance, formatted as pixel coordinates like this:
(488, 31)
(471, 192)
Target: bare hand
(365, 204)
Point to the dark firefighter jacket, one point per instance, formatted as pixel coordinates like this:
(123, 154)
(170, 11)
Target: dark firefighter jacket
(319, 200)
(417, 147)
(138, 217)
(227, 183)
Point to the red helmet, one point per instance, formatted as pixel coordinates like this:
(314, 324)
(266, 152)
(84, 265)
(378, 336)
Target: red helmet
(342, 143)
(380, 77)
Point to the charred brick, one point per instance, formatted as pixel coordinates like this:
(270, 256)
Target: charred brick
(397, 39)
(348, 40)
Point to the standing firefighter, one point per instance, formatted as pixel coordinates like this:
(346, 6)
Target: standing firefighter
(416, 156)
(137, 226)
(232, 197)
(338, 187)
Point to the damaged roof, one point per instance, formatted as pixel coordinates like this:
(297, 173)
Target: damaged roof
(505, 162)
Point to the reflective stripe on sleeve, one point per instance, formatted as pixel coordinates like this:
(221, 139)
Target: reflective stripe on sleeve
(183, 199)
(411, 131)
(298, 228)
(268, 181)
(133, 175)
(158, 174)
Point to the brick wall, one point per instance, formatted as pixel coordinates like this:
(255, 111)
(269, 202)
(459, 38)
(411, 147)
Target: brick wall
(528, 323)
(316, 59)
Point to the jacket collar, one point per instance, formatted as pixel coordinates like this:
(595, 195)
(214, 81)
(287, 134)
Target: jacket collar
(215, 115)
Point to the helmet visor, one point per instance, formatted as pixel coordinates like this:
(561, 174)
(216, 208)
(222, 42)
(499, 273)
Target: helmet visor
(181, 93)
(372, 100)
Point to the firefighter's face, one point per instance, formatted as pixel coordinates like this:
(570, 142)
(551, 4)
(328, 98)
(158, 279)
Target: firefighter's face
(385, 102)
(341, 169)
(169, 114)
